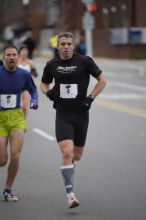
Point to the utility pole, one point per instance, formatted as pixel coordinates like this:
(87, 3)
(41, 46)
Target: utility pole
(88, 23)
(25, 2)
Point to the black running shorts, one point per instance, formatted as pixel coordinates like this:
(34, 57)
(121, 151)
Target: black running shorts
(72, 126)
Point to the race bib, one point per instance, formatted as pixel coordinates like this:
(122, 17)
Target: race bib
(8, 101)
(68, 91)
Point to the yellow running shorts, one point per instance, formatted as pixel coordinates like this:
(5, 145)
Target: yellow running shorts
(11, 120)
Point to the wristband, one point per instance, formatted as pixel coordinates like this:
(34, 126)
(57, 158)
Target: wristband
(91, 96)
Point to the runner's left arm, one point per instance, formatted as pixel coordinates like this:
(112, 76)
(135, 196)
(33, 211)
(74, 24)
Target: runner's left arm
(31, 87)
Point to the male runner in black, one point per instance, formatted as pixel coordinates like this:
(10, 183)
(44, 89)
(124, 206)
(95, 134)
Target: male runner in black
(71, 73)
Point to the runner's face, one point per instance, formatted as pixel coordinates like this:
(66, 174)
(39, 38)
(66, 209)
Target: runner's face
(24, 53)
(10, 58)
(65, 47)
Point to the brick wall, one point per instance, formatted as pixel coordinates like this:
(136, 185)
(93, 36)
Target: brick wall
(136, 17)
(141, 13)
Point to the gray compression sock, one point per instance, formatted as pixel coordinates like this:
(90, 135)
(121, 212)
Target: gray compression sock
(68, 173)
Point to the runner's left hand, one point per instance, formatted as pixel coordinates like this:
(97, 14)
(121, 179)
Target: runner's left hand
(34, 105)
(86, 104)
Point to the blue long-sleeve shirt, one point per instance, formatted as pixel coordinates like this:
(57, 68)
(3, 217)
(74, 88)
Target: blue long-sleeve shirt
(12, 84)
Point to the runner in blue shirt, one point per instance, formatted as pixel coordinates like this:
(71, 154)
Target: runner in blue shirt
(13, 81)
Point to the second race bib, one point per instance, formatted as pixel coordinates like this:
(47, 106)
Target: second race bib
(8, 101)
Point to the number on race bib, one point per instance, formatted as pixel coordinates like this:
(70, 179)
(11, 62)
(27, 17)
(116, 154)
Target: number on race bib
(8, 101)
(68, 91)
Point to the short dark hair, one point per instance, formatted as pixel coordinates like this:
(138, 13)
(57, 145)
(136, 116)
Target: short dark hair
(9, 46)
(65, 34)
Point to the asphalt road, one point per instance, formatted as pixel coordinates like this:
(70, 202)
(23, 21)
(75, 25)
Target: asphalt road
(110, 179)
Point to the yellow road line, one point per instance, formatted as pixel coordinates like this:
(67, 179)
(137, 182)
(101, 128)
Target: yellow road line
(121, 107)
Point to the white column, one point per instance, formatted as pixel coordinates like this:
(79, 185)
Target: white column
(89, 43)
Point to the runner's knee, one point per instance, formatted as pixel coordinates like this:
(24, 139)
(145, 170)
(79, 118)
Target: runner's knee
(15, 157)
(78, 152)
(77, 157)
(3, 162)
(67, 153)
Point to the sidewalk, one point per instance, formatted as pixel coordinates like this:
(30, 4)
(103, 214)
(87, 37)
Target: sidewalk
(138, 66)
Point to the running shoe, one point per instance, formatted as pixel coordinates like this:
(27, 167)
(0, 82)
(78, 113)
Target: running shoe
(72, 201)
(8, 195)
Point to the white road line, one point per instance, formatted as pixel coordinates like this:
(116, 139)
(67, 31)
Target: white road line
(44, 134)
(123, 85)
(128, 86)
(117, 75)
(123, 96)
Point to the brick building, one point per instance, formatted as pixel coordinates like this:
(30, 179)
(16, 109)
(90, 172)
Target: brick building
(119, 26)
(22, 17)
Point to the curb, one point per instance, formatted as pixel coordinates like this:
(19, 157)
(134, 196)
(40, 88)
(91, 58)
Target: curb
(140, 68)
